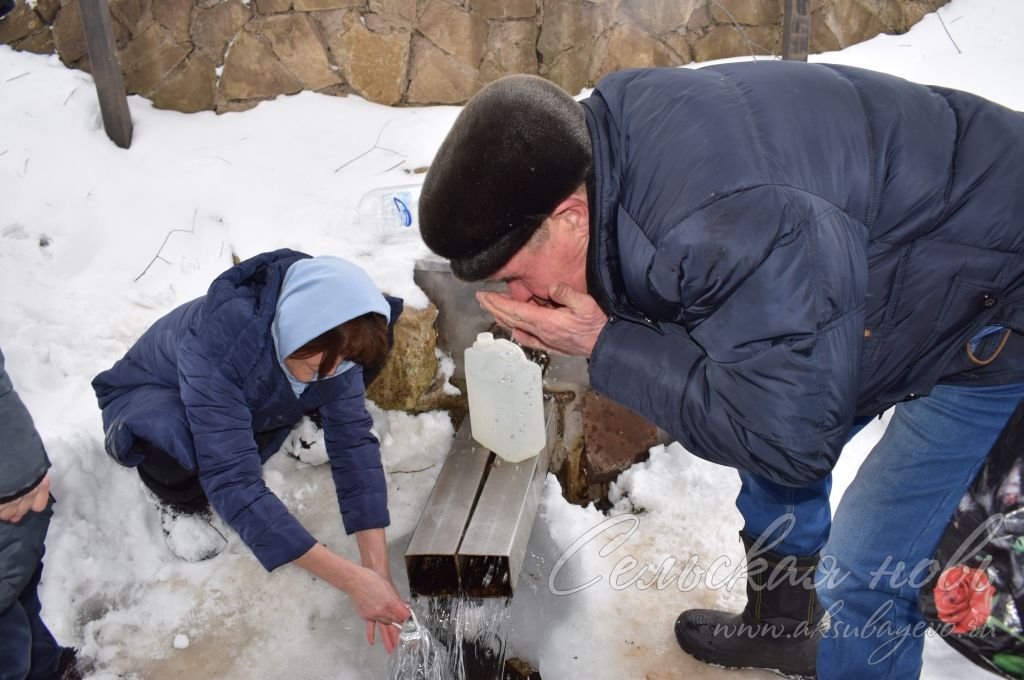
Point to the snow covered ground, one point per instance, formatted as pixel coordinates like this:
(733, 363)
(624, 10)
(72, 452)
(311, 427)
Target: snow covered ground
(97, 242)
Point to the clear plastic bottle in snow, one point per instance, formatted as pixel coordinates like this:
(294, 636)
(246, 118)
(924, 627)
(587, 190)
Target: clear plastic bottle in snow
(506, 409)
(391, 209)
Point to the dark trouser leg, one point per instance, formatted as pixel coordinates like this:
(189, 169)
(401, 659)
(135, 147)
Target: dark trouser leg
(27, 648)
(45, 650)
(176, 486)
(265, 439)
(15, 643)
(185, 512)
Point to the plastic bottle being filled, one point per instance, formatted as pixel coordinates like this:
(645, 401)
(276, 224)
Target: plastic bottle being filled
(391, 209)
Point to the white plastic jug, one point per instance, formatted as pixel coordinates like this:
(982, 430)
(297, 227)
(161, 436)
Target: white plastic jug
(506, 409)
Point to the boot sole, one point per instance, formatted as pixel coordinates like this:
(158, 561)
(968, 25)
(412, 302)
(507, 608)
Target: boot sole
(776, 671)
(739, 667)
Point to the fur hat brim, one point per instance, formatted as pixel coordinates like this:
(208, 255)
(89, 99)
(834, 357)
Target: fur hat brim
(518, 149)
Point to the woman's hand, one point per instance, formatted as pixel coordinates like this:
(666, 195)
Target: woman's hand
(375, 598)
(35, 500)
(373, 549)
(377, 601)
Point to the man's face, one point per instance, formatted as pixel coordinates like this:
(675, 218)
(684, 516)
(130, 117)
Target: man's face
(557, 253)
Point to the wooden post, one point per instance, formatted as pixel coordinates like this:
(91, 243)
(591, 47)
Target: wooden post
(106, 71)
(796, 30)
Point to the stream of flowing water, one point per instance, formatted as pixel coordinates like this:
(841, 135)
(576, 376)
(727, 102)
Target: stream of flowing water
(458, 638)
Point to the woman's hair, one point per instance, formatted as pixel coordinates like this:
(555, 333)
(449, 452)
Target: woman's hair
(363, 340)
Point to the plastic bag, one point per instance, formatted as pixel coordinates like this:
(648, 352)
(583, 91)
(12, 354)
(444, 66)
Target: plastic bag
(418, 656)
(975, 597)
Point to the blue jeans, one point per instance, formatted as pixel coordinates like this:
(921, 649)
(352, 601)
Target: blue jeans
(27, 649)
(877, 552)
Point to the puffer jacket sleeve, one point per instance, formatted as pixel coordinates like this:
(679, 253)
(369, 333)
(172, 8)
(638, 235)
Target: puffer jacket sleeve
(761, 373)
(23, 464)
(354, 453)
(230, 469)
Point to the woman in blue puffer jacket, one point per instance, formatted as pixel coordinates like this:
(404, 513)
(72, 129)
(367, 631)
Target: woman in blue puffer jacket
(213, 388)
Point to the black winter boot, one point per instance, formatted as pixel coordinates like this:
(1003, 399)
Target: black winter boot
(67, 667)
(779, 629)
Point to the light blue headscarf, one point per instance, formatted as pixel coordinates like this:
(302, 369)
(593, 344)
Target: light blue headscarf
(318, 294)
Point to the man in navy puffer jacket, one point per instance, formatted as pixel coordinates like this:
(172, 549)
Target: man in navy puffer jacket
(760, 257)
(212, 389)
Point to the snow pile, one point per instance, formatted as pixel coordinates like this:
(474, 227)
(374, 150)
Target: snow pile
(97, 242)
(669, 544)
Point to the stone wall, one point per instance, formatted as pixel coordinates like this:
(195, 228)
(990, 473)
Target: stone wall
(228, 55)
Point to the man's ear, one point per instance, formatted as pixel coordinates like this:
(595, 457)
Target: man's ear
(576, 211)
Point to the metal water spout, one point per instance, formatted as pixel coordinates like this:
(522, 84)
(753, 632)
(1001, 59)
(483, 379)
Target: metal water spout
(472, 535)
(471, 538)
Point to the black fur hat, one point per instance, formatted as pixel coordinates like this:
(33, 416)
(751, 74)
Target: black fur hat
(519, 147)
